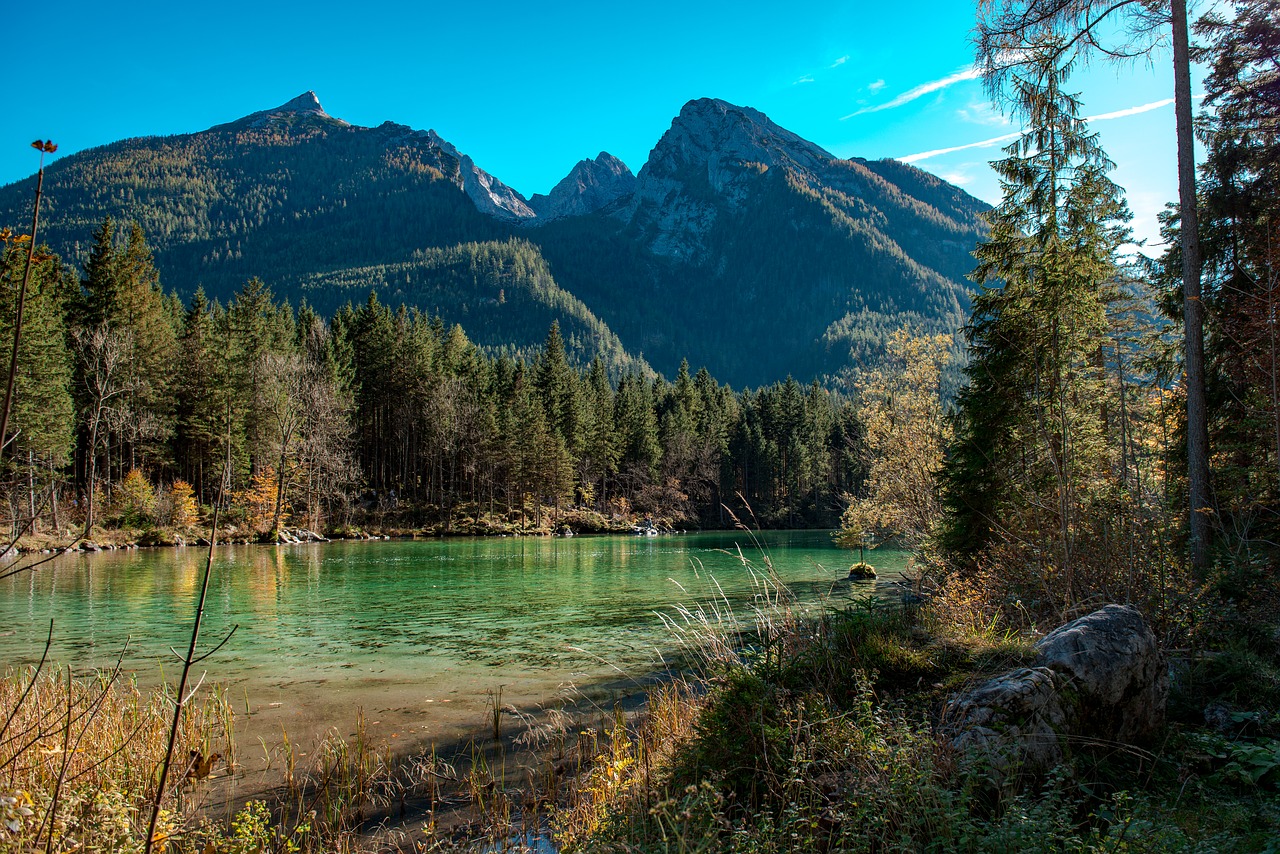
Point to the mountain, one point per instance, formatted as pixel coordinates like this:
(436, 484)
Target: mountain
(490, 195)
(767, 255)
(323, 210)
(739, 244)
(589, 186)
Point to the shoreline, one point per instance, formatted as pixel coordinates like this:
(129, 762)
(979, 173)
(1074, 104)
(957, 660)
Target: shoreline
(542, 735)
(123, 539)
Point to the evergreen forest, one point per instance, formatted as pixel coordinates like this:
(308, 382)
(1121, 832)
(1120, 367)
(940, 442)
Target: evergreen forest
(132, 405)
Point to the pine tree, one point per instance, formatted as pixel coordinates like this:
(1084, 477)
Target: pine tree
(1240, 216)
(43, 413)
(1031, 433)
(600, 451)
(121, 293)
(199, 404)
(558, 388)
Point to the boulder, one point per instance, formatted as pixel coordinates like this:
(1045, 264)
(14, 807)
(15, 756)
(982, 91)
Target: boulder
(1099, 678)
(1014, 721)
(1113, 661)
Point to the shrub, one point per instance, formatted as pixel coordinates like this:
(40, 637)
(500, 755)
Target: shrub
(135, 500)
(183, 510)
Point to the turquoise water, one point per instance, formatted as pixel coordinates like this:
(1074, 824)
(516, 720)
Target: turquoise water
(430, 617)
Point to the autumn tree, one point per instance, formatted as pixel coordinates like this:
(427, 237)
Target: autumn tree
(906, 433)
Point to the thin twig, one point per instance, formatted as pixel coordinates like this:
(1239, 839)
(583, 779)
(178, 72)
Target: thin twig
(182, 684)
(34, 676)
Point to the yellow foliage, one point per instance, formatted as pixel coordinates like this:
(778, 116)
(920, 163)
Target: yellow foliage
(185, 512)
(259, 500)
(135, 500)
(906, 435)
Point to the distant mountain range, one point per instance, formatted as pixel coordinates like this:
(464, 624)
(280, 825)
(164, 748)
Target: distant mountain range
(739, 245)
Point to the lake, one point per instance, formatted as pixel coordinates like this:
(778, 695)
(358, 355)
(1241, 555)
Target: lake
(418, 633)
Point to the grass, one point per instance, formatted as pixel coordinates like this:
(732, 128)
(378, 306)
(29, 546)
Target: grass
(79, 756)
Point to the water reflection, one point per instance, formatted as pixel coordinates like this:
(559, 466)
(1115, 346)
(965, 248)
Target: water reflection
(413, 609)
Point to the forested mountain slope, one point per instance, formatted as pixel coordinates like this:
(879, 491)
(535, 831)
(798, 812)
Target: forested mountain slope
(739, 245)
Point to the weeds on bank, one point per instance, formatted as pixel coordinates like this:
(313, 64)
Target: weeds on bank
(816, 734)
(77, 757)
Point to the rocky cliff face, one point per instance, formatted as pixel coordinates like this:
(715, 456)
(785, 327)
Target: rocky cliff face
(707, 161)
(490, 195)
(705, 166)
(590, 186)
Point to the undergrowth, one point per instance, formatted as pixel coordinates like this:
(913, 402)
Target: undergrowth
(817, 734)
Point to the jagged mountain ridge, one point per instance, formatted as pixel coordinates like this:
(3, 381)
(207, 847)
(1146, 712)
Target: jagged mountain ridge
(774, 256)
(735, 231)
(590, 186)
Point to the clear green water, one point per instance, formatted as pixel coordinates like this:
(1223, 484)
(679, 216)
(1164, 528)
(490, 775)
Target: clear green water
(431, 615)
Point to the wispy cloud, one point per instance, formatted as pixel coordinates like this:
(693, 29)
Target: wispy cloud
(1132, 111)
(920, 91)
(996, 140)
(986, 143)
(839, 62)
(808, 78)
(960, 177)
(875, 86)
(978, 113)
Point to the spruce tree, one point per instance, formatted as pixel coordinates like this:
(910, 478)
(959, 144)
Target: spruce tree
(43, 414)
(1030, 434)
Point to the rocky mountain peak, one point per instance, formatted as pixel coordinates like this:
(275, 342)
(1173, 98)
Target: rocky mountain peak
(300, 109)
(713, 134)
(589, 186)
(706, 164)
(307, 102)
(489, 194)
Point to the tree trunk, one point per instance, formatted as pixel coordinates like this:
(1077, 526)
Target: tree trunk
(53, 496)
(1192, 304)
(93, 475)
(31, 490)
(275, 521)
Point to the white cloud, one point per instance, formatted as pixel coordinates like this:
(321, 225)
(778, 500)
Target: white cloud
(839, 62)
(1131, 111)
(808, 78)
(978, 113)
(920, 91)
(959, 177)
(986, 143)
(996, 140)
(875, 86)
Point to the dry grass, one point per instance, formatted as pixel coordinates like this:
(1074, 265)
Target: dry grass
(80, 754)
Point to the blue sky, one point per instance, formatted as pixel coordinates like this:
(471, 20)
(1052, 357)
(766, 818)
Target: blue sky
(529, 89)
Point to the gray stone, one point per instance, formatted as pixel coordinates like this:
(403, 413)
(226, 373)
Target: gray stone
(1011, 722)
(1114, 663)
(1099, 678)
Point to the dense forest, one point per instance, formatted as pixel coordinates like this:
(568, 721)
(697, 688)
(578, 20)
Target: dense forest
(131, 406)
